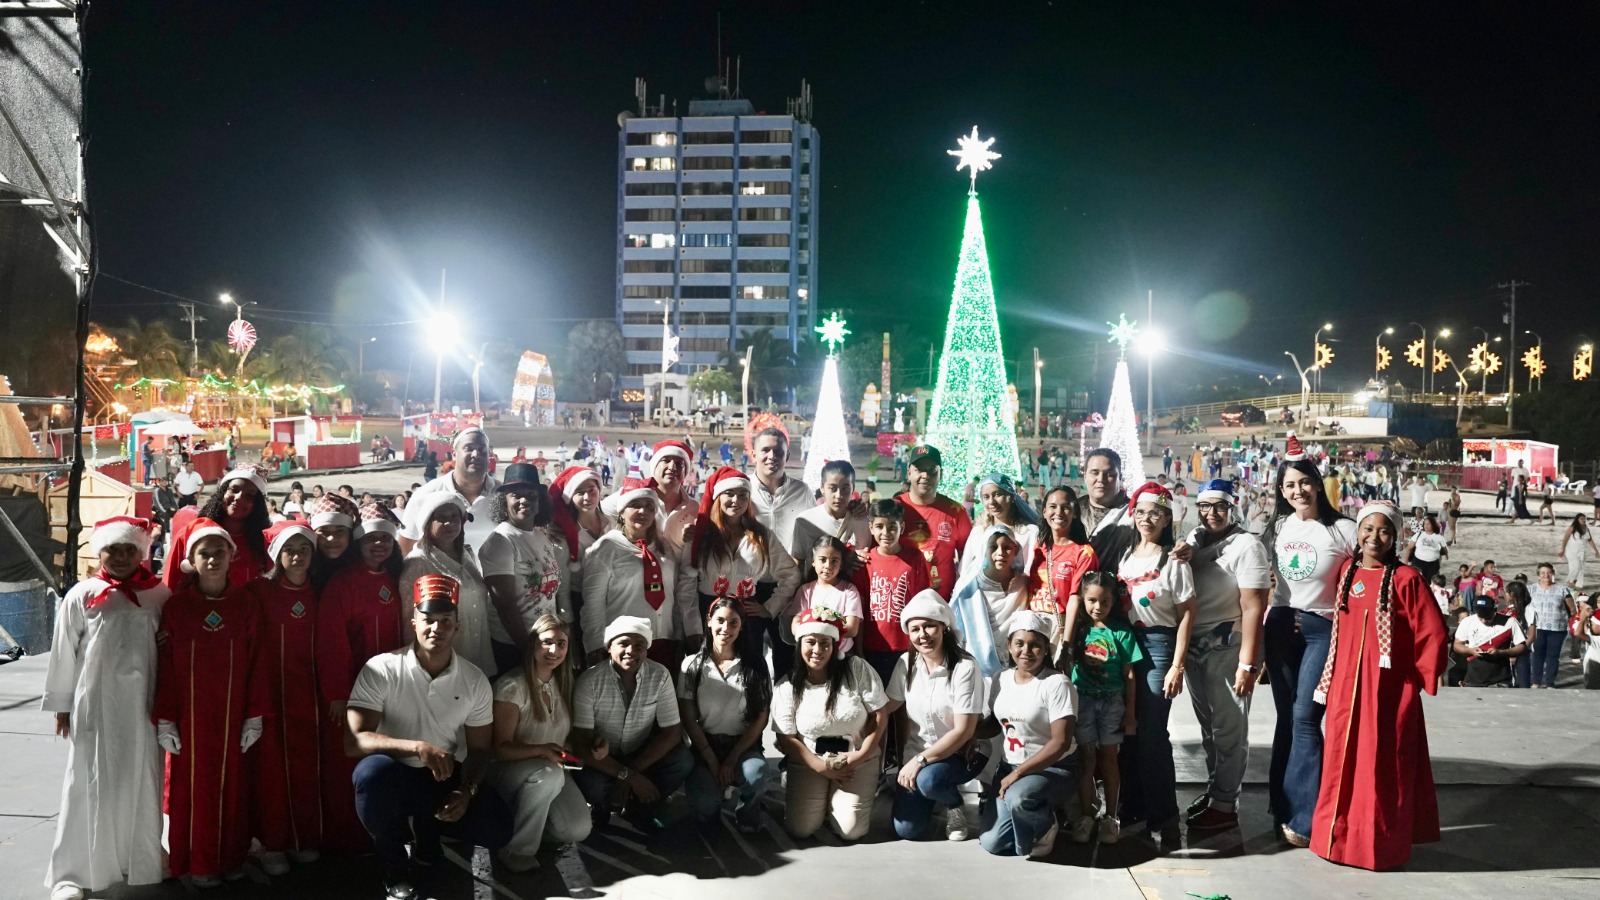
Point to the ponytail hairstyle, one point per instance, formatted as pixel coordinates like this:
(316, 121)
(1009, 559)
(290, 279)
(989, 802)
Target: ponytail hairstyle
(1327, 513)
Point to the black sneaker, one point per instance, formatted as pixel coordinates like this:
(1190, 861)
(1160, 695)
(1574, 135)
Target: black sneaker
(397, 885)
(1213, 819)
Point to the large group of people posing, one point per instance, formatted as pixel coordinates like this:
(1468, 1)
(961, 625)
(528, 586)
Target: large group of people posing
(514, 662)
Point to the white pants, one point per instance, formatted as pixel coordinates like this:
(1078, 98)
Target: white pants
(539, 792)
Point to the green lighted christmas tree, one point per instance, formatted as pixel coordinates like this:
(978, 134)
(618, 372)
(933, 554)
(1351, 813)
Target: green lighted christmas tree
(966, 422)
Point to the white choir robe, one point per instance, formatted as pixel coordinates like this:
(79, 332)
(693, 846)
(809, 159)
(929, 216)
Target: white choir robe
(103, 671)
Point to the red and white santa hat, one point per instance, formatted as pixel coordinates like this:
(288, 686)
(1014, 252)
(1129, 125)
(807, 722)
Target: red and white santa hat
(378, 519)
(121, 530)
(1150, 492)
(278, 537)
(1292, 450)
(818, 620)
(566, 486)
(632, 489)
(723, 480)
(251, 474)
(333, 509)
(669, 448)
(199, 530)
(572, 480)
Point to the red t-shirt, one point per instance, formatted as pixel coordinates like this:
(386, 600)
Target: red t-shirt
(1490, 585)
(888, 582)
(1058, 572)
(939, 531)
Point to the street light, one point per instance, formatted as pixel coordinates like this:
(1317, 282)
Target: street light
(477, 366)
(361, 355)
(1316, 344)
(238, 306)
(1150, 343)
(1540, 345)
(1305, 385)
(1438, 336)
(1377, 350)
(1038, 377)
(443, 332)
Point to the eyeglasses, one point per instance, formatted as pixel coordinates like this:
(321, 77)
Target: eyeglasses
(1149, 513)
(1212, 507)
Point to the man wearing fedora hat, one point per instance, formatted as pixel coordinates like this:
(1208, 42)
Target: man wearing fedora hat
(523, 564)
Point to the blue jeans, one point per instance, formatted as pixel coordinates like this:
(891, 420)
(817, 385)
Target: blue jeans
(1149, 778)
(937, 783)
(1027, 810)
(396, 802)
(668, 774)
(752, 777)
(1284, 647)
(1302, 776)
(1547, 643)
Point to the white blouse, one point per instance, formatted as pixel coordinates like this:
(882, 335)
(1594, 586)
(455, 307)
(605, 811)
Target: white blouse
(513, 689)
(807, 716)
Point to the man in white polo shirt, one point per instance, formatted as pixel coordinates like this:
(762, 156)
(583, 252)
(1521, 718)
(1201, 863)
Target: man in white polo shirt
(470, 480)
(422, 719)
(626, 728)
(188, 484)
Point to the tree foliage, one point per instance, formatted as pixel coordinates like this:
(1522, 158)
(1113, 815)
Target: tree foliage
(593, 362)
(1568, 414)
(712, 382)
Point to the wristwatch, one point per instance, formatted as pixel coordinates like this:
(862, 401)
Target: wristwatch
(920, 760)
(624, 773)
(1251, 669)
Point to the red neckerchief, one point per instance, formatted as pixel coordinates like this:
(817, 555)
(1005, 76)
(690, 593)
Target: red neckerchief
(140, 580)
(655, 591)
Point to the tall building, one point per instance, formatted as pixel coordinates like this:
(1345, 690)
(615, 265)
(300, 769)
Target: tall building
(716, 229)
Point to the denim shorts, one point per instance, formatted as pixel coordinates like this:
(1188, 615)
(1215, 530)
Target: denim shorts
(1100, 719)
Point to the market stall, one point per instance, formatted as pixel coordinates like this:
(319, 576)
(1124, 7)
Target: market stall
(312, 441)
(1485, 461)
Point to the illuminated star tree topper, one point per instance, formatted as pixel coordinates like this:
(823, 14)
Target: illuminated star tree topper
(1123, 333)
(973, 154)
(833, 331)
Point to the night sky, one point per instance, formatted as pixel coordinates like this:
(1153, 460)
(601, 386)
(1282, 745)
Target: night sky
(1263, 168)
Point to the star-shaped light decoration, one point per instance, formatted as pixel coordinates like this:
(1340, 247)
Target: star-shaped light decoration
(974, 155)
(833, 331)
(1123, 334)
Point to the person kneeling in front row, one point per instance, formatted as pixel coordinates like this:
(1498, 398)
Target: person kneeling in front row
(406, 716)
(626, 729)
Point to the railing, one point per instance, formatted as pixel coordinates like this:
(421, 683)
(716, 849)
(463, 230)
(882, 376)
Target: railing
(1343, 405)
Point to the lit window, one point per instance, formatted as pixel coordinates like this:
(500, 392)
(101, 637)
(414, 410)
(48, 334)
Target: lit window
(663, 139)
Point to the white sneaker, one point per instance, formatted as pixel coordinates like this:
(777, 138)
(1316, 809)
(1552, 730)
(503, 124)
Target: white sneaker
(955, 824)
(206, 881)
(274, 863)
(1110, 829)
(1082, 829)
(1043, 846)
(66, 890)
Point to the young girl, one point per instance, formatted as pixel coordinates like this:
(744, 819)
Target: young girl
(209, 709)
(1466, 585)
(285, 778)
(831, 589)
(334, 519)
(1106, 653)
(1387, 646)
(359, 615)
(988, 596)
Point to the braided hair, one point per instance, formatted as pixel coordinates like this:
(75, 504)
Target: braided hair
(1384, 592)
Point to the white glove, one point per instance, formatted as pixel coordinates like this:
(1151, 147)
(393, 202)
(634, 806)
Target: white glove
(167, 737)
(250, 734)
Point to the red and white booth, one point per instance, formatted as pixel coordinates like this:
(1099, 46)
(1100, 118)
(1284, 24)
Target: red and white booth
(434, 431)
(311, 438)
(1484, 461)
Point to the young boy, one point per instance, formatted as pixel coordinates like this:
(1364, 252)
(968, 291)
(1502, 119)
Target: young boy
(892, 573)
(1490, 584)
(1104, 678)
(831, 517)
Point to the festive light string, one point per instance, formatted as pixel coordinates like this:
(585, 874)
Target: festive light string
(252, 388)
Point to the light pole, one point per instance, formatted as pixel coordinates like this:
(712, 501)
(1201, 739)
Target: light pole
(477, 367)
(1484, 390)
(1438, 336)
(1426, 363)
(444, 335)
(1038, 377)
(1461, 388)
(1153, 344)
(361, 355)
(1377, 350)
(1316, 344)
(238, 317)
(1305, 386)
(1540, 344)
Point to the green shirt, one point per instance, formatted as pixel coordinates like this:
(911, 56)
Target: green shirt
(1101, 676)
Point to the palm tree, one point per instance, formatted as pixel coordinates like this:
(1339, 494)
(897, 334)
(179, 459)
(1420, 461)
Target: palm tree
(772, 361)
(153, 350)
(309, 355)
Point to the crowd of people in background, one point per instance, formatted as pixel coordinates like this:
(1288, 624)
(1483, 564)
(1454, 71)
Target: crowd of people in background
(512, 658)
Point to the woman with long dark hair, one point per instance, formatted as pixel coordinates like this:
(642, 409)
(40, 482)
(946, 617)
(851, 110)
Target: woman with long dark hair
(943, 694)
(334, 519)
(575, 513)
(724, 698)
(1310, 542)
(240, 507)
(1000, 503)
(1064, 556)
(735, 556)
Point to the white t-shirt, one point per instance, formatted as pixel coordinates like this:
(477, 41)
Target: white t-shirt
(720, 696)
(1310, 555)
(935, 698)
(859, 697)
(1475, 632)
(841, 597)
(420, 707)
(1155, 592)
(1220, 570)
(513, 689)
(1025, 712)
(1427, 547)
(1419, 494)
(188, 483)
(816, 522)
(539, 565)
(1592, 652)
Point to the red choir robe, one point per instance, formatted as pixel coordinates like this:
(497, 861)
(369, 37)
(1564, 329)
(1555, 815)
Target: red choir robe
(359, 616)
(245, 568)
(286, 764)
(207, 684)
(1377, 796)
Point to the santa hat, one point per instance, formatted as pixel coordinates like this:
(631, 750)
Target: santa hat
(927, 604)
(1028, 620)
(1150, 492)
(252, 474)
(378, 519)
(199, 530)
(635, 625)
(670, 448)
(1292, 451)
(278, 536)
(819, 620)
(121, 530)
(424, 504)
(334, 509)
(632, 489)
(1216, 489)
(566, 486)
(723, 480)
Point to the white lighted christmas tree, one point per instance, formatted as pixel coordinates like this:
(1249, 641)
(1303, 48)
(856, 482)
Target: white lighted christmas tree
(1121, 431)
(829, 440)
(966, 422)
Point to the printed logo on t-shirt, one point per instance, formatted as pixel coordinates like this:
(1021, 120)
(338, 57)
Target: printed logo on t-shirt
(1358, 589)
(298, 609)
(383, 595)
(1297, 561)
(887, 594)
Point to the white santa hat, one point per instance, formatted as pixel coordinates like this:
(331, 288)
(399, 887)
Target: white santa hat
(636, 625)
(616, 503)
(247, 473)
(121, 530)
(423, 505)
(927, 604)
(199, 530)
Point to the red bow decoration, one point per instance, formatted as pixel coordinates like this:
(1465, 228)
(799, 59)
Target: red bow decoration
(141, 580)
